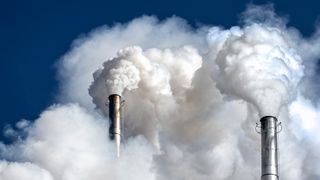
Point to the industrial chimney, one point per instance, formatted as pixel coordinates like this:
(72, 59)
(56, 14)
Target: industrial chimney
(269, 148)
(115, 130)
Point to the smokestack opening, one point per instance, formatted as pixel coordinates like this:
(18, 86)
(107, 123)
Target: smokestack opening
(269, 148)
(115, 130)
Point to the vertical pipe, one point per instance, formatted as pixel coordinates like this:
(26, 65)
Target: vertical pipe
(269, 148)
(115, 120)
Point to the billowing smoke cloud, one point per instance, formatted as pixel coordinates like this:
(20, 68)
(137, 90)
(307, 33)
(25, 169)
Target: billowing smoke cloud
(192, 97)
(259, 65)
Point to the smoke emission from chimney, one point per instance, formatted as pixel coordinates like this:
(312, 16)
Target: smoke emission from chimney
(193, 97)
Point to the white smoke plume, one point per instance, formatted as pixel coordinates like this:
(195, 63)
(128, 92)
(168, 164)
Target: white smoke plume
(192, 97)
(258, 64)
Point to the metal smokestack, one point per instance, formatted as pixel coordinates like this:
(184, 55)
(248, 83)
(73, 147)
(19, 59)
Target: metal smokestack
(115, 130)
(269, 148)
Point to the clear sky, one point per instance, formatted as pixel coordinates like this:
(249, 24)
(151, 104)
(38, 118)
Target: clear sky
(34, 34)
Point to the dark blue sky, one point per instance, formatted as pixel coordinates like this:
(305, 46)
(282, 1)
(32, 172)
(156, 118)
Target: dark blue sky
(34, 34)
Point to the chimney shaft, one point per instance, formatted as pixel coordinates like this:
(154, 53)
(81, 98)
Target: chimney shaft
(269, 148)
(115, 120)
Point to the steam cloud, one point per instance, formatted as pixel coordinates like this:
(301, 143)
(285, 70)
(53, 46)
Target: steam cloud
(259, 65)
(192, 99)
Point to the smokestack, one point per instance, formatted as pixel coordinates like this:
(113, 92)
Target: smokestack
(269, 148)
(115, 130)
